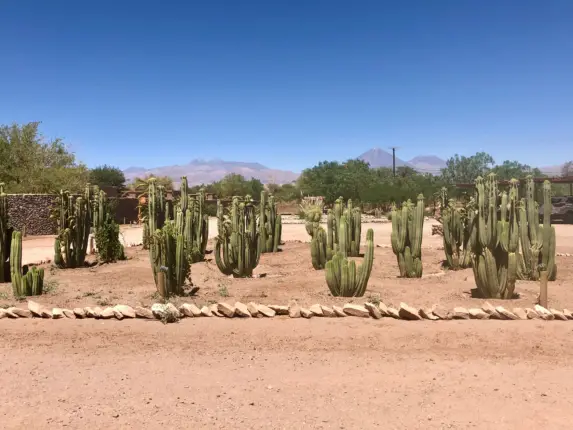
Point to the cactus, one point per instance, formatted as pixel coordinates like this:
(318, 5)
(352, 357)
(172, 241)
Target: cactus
(342, 277)
(196, 222)
(30, 283)
(74, 224)
(496, 245)
(270, 224)
(237, 246)
(537, 240)
(345, 238)
(5, 237)
(457, 228)
(319, 250)
(312, 216)
(407, 227)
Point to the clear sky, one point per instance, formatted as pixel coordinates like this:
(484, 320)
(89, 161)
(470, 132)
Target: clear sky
(289, 83)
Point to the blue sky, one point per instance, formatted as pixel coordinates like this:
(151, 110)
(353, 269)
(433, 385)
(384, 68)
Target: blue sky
(290, 83)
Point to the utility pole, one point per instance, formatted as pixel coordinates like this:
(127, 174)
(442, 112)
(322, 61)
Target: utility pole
(393, 148)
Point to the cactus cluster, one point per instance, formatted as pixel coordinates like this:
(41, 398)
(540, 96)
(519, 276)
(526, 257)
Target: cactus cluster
(457, 224)
(237, 247)
(537, 240)
(320, 251)
(344, 226)
(312, 217)
(342, 276)
(496, 245)
(196, 221)
(5, 237)
(30, 283)
(407, 226)
(74, 225)
(270, 224)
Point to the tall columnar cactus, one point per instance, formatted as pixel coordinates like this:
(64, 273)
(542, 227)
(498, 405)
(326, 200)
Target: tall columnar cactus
(196, 221)
(342, 277)
(537, 240)
(349, 242)
(270, 224)
(407, 227)
(5, 236)
(74, 225)
(496, 246)
(237, 246)
(319, 250)
(312, 217)
(23, 284)
(457, 223)
(100, 208)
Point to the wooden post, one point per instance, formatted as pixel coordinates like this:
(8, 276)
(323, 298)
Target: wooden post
(543, 277)
(161, 283)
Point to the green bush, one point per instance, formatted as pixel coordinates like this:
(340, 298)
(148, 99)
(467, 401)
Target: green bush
(109, 246)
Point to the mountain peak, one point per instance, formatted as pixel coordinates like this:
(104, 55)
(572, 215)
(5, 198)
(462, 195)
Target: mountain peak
(378, 157)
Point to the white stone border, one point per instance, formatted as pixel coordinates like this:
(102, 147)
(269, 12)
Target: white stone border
(169, 313)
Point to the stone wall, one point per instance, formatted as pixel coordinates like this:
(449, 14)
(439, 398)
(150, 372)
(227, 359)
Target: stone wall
(31, 213)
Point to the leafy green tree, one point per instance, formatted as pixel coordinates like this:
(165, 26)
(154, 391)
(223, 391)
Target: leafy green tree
(234, 184)
(106, 175)
(514, 170)
(31, 164)
(463, 170)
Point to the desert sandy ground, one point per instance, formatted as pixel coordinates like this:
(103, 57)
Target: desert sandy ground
(279, 373)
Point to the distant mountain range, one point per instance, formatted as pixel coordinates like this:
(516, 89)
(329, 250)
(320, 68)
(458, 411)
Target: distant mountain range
(208, 171)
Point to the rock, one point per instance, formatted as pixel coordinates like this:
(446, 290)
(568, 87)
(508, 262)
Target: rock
(226, 309)
(185, 309)
(107, 313)
(241, 310)
(173, 311)
(531, 314)
(328, 312)
(393, 312)
(355, 310)
(47, 313)
(8, 313)
(125, 310)
(3, 313)
(167, 313)
(69, 314)
(408, 313)
(316, 310)
(280, 310)
(90, 313)
(141, 312)
(568, 314)
(57, 313)
(215, 310)
(520, 313)
(266, 311)
(117, 314)
(21, 313)
(489, 309)
(442, 314)
(97, 312)
(460, 313)
(293, 309)
(306, 313)
(544, 313)
(253, 310)
(79, 313)
(373, 310)
(35, 308)
(558, 314)
(478, 314)
(428, 314)
(195, 310)
(338, 311)
(206, 311)
(505, 314)
(383, 309)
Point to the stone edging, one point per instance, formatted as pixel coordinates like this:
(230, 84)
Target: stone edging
(169, 313)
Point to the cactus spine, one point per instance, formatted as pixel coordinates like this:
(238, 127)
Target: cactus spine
(497, 240)
(270, 224)
(30, 283)
(74, 225)
(537, 240)
(342, 277)
(407, 227)
(237, 246)
(457, 228)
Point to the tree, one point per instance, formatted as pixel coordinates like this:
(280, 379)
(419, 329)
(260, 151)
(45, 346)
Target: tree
(31, 164)
(140, 185)
(567, 169)
(107, 176)
(463, 170)
(514, 170)
(234, 184)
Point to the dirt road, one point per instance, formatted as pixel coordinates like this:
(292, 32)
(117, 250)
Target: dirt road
(267, 374)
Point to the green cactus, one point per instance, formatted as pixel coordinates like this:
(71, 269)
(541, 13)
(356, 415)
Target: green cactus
(30, 283)
(406, 238)
(74, 225)
(457, 230)
(270, 224)
(496, 246)
(537, 241)
(345, 238)
(196, 221)
(237, 246)
(319, 250)
(312, 217)
(342, 277)
(5, 237)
